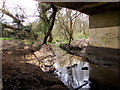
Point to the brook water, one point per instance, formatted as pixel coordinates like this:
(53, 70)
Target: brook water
(78, 74)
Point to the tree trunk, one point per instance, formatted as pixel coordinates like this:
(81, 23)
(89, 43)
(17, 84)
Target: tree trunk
(51, 25)
(69, 43)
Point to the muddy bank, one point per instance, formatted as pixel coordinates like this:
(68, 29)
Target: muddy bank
(77, 47)
(106, 68)
(21, 69)
(18, 76)
(104, 64)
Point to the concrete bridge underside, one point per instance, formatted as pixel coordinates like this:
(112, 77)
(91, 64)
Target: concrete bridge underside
(104, 35)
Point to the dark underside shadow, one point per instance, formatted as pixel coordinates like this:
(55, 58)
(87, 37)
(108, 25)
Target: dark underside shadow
(19, 76)
(104, 63)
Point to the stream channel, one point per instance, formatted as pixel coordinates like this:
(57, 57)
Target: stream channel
(78, 74)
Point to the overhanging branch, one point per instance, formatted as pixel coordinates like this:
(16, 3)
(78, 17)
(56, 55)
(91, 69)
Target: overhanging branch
(9, 26)
(10, 15)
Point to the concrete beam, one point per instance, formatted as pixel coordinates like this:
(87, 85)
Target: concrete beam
(106, 19)
(89, 8)
(105, 29)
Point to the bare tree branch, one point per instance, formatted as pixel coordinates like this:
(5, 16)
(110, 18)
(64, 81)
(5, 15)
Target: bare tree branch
(76, 16)
(3, 6)
(10, 15)
(9, 26)
(25, 14)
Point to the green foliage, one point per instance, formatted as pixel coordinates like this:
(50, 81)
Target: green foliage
(27, 28)
(54, 42)
(42, 27)
(58, 39)
(80, 36)
(45, 17)
(23, 33)
(83, 36)
(7, 38)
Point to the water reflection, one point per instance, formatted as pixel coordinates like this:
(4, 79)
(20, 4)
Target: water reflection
(73, 71)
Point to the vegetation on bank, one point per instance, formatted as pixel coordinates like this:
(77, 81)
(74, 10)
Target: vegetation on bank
(55, 26)
(7, 38)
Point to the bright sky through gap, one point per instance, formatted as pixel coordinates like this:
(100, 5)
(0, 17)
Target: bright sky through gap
(29, 6)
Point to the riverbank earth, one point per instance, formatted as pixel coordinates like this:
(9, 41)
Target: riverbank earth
(24, 68)
(19, 70)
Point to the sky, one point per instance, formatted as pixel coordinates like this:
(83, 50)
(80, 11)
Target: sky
(29, 6)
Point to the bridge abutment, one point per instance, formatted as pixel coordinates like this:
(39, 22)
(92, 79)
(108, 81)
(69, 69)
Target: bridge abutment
(105, 29)
(104, 47)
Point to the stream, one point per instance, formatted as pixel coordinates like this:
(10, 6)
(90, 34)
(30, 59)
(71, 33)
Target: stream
(78, 74)
(71, 70)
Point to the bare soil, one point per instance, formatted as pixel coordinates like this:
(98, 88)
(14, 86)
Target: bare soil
(23, 69)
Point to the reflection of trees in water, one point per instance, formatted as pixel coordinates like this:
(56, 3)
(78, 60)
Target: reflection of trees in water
(69, 70)
(68, 60)
(75, 76)
(73, 80)
(70, 78)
